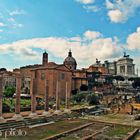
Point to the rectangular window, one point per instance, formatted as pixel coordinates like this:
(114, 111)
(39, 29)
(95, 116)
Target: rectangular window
(35, 73)
(129, 69)
(62, 76)
(122, 69)
(42, 76)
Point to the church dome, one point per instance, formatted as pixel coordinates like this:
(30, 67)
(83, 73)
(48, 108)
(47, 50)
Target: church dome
(70, 61)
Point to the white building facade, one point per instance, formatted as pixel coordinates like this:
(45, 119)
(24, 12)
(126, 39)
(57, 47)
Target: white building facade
(125, 67)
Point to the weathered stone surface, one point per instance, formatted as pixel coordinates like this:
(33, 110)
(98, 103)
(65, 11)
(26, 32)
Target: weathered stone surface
(33, 96)
(46, 96)
(18, 92)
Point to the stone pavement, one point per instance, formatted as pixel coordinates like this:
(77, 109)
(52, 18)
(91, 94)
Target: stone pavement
(24, 114)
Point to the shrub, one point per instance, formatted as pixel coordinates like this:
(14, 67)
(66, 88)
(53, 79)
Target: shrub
(79, 97)
(9, 91)
(25, 102)
(92, 99)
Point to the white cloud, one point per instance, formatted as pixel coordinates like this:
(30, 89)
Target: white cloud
(14, 23)
(17, 12)
(92, 34)
(1, 30)
(11, 19)
(85, 49)
(137, 66)
(133, 44)
(2, 24)
(116, 16)
(133, 40)
(92, 8)
(109, 4)
(86, 1)
(119, 11)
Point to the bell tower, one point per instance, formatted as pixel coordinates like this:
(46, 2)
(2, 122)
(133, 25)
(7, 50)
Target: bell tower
(45, 59)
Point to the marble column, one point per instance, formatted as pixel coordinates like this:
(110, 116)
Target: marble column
(2, 120)
(46, 107)
(57, 111)
(17, 115)
(33, 113)
(126, 71)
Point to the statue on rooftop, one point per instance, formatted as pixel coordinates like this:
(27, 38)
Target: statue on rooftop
(125, 55)
(97, 61)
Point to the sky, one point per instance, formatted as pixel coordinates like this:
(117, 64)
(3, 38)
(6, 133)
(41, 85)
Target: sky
(92, 29)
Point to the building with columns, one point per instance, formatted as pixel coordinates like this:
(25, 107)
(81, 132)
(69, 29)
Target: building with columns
(52, 73)
(125, 66)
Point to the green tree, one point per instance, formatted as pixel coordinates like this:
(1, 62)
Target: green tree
(79, 97)
(9, 91)
(93, 99)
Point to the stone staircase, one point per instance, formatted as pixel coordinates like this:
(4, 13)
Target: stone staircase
(29, 121)
(20, 124)
(26, 122)
(11, 124)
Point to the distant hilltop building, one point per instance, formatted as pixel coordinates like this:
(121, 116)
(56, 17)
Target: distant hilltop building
(123, 66)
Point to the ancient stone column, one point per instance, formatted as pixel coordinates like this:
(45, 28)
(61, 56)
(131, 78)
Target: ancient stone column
(46, 107)
(17, 115)
(67, 100)
(33, 102)
(46, 96)
(57, 98)
(33, 99)
(18, 91)
(1, 96)
(66, 97)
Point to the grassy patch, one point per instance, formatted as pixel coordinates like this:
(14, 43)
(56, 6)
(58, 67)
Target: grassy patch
(50, 130)
(118, 131)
